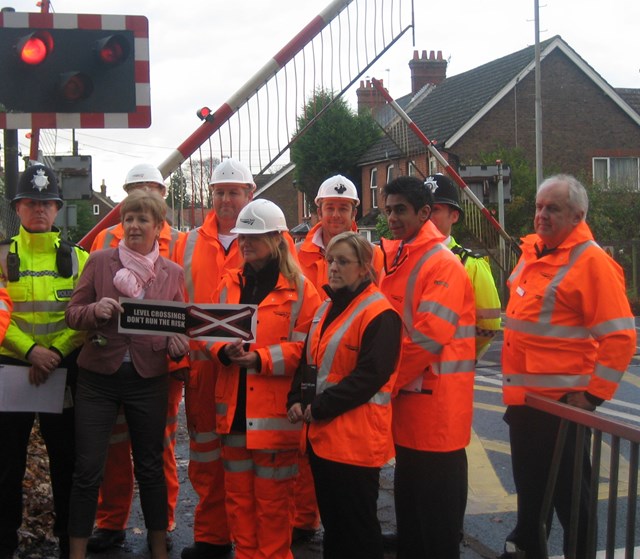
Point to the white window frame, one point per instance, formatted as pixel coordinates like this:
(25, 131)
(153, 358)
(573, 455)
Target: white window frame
(607, 161)
(306, 208)
(390, 169)
(373, 187)
(411, 169)
(96, 209)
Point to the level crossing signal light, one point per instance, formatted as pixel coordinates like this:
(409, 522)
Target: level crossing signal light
(67, 70)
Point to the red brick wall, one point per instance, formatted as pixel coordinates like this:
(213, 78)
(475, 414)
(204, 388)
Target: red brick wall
(578, 122)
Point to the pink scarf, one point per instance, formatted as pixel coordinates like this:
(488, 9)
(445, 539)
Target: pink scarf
(138, 272)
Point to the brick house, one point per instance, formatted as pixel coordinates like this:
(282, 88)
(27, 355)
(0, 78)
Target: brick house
(589, 128)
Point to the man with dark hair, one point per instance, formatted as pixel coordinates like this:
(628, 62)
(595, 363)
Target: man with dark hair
(433, 403)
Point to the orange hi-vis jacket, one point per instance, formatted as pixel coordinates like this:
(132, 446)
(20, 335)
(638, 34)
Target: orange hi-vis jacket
(5, 310)
(431, 290)
(284, 318)
(568, 323)
(111, 236)
(313, 264)
(361, 436)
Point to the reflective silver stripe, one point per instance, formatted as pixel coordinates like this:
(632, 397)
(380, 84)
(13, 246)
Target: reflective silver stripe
(549, 380)
(546, 330)
(425, 342)
(277, 357)
(380, 398)
(108, 238)
(199, 355)
(203, 437)
(314, 324)
(487, 313)
(613, 325)
(119, 438)
(121, 419)
(175, 235)
(281, 473)
(271, 424)
(40, 306)
(459, 366)
(607, 373)
(463, 332)
(3, 306)
(238, 466)
(204, 457)
(75, 264)
(298, 337)
(224, 295)
(334, 342)
(549, 297)
(234, 440)
(221, 408)
(187, 263)
(516, 271)
(296, 306)
(39, 329)
(439, 310)
(407, 313)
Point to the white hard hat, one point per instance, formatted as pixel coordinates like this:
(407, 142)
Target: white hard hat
(232, 171)
(143, 172)
(337, 187)
(260, 216)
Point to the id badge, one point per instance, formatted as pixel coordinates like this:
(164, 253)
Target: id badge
(309, 384)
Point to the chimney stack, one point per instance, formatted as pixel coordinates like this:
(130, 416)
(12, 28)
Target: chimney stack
(369, 97)
(431, 70)
(103, 188)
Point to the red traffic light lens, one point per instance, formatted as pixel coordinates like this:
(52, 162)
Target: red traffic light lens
(204, 113)
(74, 86)
(34, 48)
(113, 50)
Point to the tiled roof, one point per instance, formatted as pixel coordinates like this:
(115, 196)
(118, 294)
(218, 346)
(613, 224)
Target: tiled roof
(449, 106)
(631, 97)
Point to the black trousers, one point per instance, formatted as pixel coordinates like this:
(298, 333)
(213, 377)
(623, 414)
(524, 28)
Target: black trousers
(347, 500)
(532, 434)
(430, 492)
(98, 399)
(57, 430)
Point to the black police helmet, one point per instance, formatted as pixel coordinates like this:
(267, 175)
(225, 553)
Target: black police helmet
(444, 191)
(38, 183)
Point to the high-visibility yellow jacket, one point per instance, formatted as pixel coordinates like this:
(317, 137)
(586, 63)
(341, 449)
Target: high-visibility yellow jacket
(284, 318)
(486, 295)
(362, 435)
(313, 264)
(40, 296)
(430, 289)
(568, 324)
(5, 310)
(111, 236)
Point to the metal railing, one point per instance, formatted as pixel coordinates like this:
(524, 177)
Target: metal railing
(618, 432)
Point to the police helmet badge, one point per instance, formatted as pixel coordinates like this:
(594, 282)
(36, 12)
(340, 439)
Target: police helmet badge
(431, 184)
(40, 181)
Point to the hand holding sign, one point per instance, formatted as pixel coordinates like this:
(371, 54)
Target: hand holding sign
(107, 307)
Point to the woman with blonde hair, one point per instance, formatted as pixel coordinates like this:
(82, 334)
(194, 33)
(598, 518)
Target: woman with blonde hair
(352, 350)
(259, 444)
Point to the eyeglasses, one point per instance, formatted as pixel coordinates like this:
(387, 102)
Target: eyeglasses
(341, 262)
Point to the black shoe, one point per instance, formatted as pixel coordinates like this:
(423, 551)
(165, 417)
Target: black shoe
(203, 550)
(169, 542)
(390, 540)
(302, 535)
(103, 539)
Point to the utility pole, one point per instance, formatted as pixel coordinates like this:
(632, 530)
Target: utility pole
(538, 100)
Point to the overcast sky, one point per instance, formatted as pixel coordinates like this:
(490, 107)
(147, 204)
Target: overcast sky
(202, 51)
